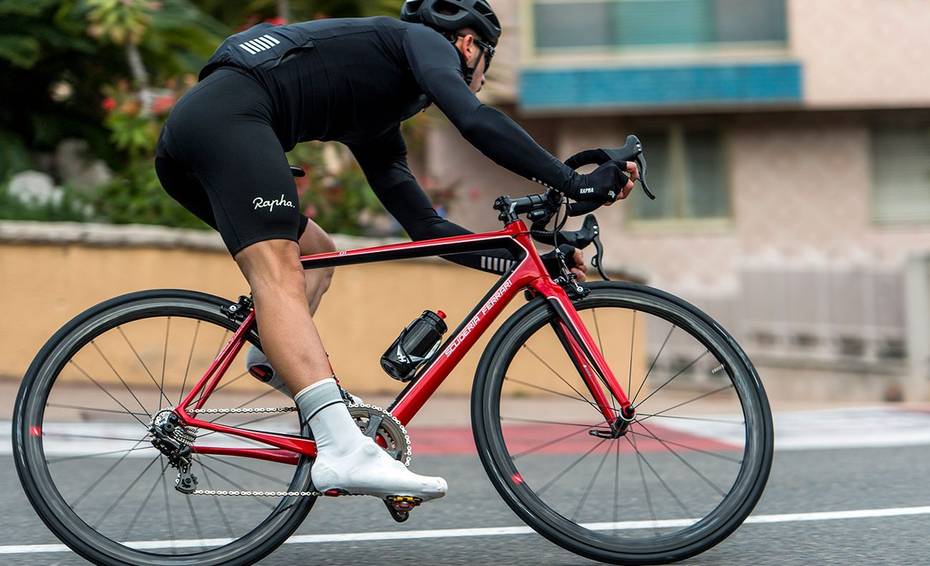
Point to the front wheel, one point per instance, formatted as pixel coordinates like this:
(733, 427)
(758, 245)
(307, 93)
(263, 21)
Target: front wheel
(690, 467)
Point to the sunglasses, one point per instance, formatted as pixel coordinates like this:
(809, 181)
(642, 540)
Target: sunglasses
(486, 48)
(488, 53)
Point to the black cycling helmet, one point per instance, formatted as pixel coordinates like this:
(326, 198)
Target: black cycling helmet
(449, 16)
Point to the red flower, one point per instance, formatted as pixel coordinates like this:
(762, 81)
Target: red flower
(162, 104)
(276, 21)
(109, 103)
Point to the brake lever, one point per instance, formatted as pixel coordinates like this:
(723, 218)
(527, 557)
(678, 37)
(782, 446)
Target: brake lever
(641, 164)
(597, 260)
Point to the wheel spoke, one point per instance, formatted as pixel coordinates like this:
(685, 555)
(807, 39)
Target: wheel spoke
(234, 484)
(693, 449)
(240, 425)
(144, 366)
(698, 398)
(683, 370)
(587, 491)
(571, 466)
(522, 420)
(541, 388)
(164, 362)
(683, 461)
(91, 487)
(547, 444)
(145, 502)
(216, 500)
(661, 481)
(243, 404)
(187, 368)
(231, 381)
(647, 416)
(118, 376)
(95, 409)
(94, 436)
(164, 489)
(102, 388)
(653, 364)
(616, 506)
(243, 468)
(117, 501)
(96, 454)
(642, 475)
(190, 507)
(555, 373)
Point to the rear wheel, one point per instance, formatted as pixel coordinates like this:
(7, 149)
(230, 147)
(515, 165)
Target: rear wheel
(85, 456)
(687, 472)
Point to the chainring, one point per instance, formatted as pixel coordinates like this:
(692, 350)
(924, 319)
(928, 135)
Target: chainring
(385, 429)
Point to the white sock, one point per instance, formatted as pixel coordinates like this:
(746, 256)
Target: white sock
(334, 429)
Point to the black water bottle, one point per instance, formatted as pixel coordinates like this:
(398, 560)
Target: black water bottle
(416, 344)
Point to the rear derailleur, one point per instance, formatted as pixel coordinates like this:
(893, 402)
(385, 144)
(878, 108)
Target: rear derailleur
(174, 441)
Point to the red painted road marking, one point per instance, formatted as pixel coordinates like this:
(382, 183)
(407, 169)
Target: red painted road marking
(520, 438)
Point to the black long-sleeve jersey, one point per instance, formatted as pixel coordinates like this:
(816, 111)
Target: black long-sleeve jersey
(355, 80)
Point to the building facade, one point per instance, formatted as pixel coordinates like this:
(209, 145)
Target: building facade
(788, 142)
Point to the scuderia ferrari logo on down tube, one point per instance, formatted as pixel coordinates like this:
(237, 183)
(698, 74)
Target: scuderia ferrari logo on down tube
(477, 318)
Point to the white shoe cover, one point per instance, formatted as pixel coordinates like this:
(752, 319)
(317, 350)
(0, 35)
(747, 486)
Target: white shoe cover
(369, 470)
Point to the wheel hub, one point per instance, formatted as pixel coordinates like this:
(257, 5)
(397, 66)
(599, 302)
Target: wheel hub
(619, 427)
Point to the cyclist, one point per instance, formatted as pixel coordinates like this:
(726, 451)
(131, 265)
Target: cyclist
(222, 151)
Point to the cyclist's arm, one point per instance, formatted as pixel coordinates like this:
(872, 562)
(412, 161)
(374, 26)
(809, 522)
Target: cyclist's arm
(384, 161)
(437, 69)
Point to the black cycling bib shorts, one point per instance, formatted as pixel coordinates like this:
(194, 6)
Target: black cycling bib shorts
(221, 153)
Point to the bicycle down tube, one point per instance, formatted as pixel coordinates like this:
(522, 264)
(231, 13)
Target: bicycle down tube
(527, 273)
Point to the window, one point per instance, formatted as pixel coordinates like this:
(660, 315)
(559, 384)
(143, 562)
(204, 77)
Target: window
(688, 175)
(630, 24)
(901, 168)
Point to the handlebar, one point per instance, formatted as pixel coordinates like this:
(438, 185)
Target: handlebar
(540, 208)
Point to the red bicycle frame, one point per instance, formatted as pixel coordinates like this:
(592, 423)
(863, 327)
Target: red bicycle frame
(527, 273)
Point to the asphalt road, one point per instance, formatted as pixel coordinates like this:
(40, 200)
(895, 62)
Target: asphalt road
(803, 482)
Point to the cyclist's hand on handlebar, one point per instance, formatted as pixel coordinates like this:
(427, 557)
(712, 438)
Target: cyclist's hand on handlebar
(605, 184)
(632, 170)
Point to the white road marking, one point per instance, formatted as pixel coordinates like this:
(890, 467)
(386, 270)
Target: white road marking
(492, 531)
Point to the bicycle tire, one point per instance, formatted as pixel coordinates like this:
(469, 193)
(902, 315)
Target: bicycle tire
(514, 489)
(34, 473)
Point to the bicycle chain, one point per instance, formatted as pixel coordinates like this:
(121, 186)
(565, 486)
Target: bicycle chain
(239, 493)
(245, 493)
(243, 410)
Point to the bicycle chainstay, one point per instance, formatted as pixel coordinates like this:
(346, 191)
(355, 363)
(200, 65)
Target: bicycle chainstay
(407, 451)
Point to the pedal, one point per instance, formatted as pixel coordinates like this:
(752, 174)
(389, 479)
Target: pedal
(399, 506)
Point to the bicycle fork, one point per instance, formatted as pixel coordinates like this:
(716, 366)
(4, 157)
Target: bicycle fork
(590, 363)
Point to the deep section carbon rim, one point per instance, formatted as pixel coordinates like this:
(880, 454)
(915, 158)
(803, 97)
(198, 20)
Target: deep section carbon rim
(688, 469)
